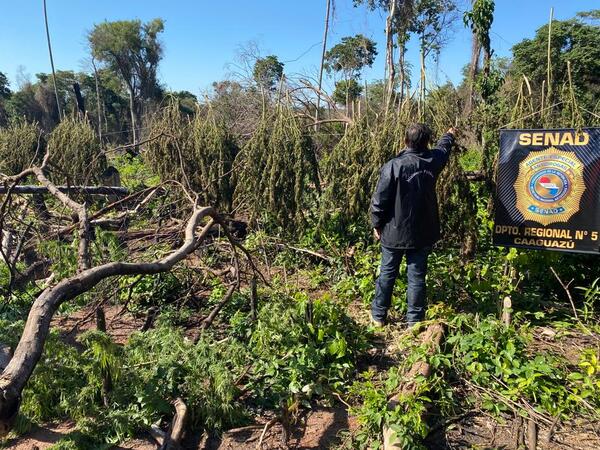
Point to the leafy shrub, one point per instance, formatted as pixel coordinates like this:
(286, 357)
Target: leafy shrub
(76, 155)
(198, 152)
(277, 166)
(21, 146)
(303, 348)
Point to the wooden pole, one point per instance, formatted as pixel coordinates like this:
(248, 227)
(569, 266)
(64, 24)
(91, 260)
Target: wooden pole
(506, 311)
(52, 63)
(325, 33)
(532, 434)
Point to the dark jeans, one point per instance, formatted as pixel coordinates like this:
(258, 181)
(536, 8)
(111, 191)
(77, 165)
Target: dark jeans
(416, 294)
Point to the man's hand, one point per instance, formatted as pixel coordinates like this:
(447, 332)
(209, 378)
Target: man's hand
(452, 131)
(377, 234)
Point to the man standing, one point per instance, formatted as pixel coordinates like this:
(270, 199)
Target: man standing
(404, 215)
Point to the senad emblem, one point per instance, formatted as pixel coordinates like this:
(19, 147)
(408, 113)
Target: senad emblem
(549, 186)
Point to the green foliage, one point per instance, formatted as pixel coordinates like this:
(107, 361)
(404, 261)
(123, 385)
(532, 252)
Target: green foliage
(198, 152)
(489, 83)
(4, 87)
(591, 300)
(351, 55)
(168, 366)
(303, 348)
(187, 102)
(430, 22)
(503, 365)
(277, 165)
(406, 419)
(458, 206)
(497, 362)
(132, 50)
(268, 71)
(76, 156)
(134, 173)
(143, 292)
(361, 284)
(103, 361)
(352, 168)
(480, 20)
(63, 255)
(21, 146)
(346, 91)
(77, 440)
(585, 384)
(51, 391)
(572, 41)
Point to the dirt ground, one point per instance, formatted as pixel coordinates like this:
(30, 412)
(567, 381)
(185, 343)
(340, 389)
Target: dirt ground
(318, 429)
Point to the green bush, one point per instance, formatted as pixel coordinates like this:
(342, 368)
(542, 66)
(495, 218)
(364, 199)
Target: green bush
(21, 146)
(76, 156)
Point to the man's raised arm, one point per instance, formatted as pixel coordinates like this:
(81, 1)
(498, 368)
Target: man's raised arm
(444, 145)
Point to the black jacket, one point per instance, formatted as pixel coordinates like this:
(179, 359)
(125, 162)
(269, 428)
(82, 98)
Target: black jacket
(404, 206)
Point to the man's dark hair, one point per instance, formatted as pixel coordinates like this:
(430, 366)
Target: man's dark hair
(418, 136)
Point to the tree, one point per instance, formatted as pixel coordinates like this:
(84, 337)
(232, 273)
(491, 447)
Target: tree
(351, 55)
(4, 87)
(479, 19)
(237, 108)
(4, 94)
(267, 72)
(36, 101)
(399, 18)
(571, 40)
(431, 23)
(131, 49)
(186, 101)
(402, 25)
(591, 16)
(347, 91)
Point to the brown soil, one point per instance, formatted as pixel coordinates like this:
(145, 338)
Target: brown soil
(40, 438)
(320, 428)
(44, 437)
(119, 324)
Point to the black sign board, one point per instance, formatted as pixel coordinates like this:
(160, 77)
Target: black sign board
(548, 190)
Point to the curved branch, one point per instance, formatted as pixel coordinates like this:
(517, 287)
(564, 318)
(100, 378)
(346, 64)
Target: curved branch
(80, 209)
(29, 349)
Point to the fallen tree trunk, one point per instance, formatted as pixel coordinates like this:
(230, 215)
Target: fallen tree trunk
(16, 374)
(89, 190)
(432, 338)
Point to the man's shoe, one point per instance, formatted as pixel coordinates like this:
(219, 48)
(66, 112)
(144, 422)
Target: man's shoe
(376, 322)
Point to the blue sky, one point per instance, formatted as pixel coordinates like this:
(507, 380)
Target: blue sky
(202, 37)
